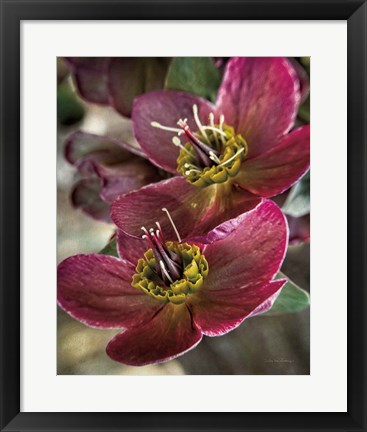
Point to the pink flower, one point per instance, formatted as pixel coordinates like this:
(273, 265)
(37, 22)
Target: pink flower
(108, 170)
(243, 146)
(167, 292)
(116, 81)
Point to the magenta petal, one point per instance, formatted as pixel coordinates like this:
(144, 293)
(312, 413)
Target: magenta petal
(165, 107)
(129, 77)
(259, 97)
(80, 144)
(218, 312)
(268, 303)
(279, 168)
(96, 290)
(252, 253)
(130, 249)
(118, 170)
(304, 80)
(169, 334)
(193, 210)
(123, 178)
(233, 217)
(92, 86)
(186, 204)
(90, 75)
(85, 195)
(83, 149)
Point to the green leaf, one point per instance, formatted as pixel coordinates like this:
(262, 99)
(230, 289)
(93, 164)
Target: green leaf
(110, 248)
(305, 61)
(304, 111)
(196, 75)
(297, 203)
(69, 109)
(292, 298)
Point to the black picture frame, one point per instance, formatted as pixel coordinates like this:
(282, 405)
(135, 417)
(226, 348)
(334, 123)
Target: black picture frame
(12, 13)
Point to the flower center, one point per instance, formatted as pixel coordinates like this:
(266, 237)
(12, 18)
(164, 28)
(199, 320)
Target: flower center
(212, 154)
(169, 271)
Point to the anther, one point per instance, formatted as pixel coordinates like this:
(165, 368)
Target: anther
(145, 230)
(191, 166)
(176, 141)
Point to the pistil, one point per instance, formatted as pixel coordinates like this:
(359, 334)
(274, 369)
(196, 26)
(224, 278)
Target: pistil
(206, 155)
(169, 271)
(185, 127)
(170, 267)
(212, 154)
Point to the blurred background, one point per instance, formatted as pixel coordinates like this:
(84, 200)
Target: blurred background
(261, 345)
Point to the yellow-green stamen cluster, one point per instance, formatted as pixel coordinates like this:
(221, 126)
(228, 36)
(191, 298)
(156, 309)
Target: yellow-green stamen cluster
(194, 270)
(232, 150)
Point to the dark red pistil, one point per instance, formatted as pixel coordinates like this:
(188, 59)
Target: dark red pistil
(170, 260)
(202, 150)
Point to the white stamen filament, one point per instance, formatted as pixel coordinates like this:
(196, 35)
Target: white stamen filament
(221, 121)
(165, 128)
(214, 157)
(188, 172)
(172, 223)
(188, 165)
(165, 271)
(176, 141)
(145, 230)
(220, 132)
(197, 120)
(158, 234)
(211, 119)
(233, 157)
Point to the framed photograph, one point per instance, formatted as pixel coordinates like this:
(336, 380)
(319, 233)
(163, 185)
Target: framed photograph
(183, 218)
